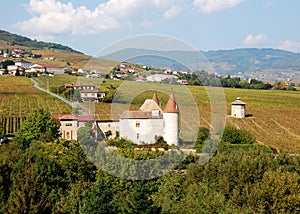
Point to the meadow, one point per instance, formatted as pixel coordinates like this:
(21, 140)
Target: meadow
(272, 116)
(75, 60)
(18, 98)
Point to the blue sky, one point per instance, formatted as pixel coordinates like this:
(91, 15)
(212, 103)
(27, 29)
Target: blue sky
(91, 25)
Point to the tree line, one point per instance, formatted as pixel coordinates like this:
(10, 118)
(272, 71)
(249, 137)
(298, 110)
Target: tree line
(204, 78)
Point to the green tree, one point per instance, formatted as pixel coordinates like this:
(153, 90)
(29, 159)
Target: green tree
(100, 198)
(7, 63)
(49, 177)
(38, 126)
(237, 136)
(2, 134)
(203, 134)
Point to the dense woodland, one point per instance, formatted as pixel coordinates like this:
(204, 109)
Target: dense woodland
(40, 173)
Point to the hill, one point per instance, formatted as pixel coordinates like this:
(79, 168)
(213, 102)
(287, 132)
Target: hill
(63, 55)
(14, 39)
(264, 64)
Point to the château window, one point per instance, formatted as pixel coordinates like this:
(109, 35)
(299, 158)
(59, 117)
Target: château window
(137, 124)
(68, 124)
(137, 136)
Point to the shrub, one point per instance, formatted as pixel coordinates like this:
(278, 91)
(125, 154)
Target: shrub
(237, 136)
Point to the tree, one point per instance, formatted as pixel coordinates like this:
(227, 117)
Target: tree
(48, 177)
(203, 134)
(85, 135)
(100, 198)
(237, 136)
(2, 134)
(7, 63)
(38, 126)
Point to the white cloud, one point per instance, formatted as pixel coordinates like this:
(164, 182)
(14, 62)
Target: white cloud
(269, 3)
(290, 46)
(54, 17)
(255, 39)
(210, 6)
(172, 12)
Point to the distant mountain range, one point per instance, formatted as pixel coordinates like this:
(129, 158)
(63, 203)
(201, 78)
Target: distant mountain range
(265, 64)
(14, 39)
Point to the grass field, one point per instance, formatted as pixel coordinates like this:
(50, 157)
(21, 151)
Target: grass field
(75, 60)
(18, 98)
(273, 115)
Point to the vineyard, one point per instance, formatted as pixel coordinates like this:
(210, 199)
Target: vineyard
(273, 116)
(18, 98)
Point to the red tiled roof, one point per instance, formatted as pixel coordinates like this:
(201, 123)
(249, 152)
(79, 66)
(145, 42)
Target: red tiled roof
(171, 106)
(91, 91)
(74, 117)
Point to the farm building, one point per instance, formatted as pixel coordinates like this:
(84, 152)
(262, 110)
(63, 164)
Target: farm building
(238, 108)
(69, 124)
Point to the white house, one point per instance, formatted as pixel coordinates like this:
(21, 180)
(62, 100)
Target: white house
(23, 64)
(12, 69)
(92, 95)
(2, 72)
(238, 108)
(36, 68)
(160, 77)
(151, 122)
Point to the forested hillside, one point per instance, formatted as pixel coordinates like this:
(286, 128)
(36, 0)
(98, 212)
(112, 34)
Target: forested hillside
(14, 39)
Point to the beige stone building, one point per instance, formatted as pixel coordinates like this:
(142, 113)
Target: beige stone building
(238, 108)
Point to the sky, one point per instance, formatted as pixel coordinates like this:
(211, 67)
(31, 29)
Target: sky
(91, 25)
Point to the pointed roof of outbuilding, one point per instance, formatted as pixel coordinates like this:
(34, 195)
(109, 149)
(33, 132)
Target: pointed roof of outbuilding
(238, 102)
(171, 106)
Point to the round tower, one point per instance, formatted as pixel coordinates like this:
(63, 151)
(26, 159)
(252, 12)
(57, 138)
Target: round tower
(171, 122)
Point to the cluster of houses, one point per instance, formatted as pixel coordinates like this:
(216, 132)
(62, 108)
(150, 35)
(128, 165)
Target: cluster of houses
(26, 68)
(126, 72)
(18, 53)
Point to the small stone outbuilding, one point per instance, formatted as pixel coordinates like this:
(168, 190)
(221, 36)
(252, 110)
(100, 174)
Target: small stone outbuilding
(238, 109)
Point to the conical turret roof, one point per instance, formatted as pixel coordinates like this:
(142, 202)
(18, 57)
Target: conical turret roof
(155, 98)
(171, 106)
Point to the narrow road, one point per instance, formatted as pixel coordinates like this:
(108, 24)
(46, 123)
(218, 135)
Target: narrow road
(72, 104)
